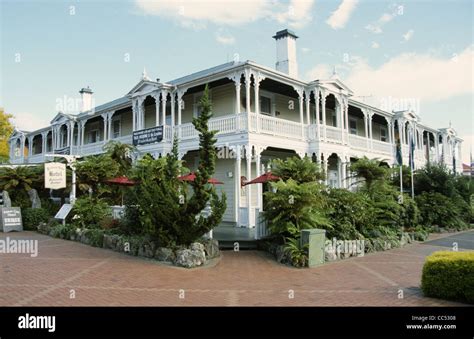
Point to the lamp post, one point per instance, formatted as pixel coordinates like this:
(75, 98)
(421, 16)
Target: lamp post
(71, 162)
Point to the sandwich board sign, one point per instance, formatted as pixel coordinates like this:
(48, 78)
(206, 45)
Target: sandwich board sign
(10, 219)
(54, 175)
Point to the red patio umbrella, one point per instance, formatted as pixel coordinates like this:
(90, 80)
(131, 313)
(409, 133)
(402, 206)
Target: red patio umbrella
(266, 177)
(192, 176)
(121, 181)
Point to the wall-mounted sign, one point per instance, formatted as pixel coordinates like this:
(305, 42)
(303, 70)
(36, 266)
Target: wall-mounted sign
(10, 219)
(148, 136)
(54, 175)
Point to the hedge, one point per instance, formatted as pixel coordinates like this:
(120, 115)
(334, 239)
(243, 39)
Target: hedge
(449, 275)
(32, 217)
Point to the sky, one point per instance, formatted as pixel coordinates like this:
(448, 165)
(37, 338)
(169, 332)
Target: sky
(404, 54)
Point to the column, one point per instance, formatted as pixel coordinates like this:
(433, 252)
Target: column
(257, 174)
(134, 115)
(300, 105)
(156, 96)
(237, 93)
(22, 148)
(325, 168)
(248, 154)
(256, 88)
(307, 97)
(316, 100)
(344, 172)
(371, 114)
(30, 146)
(237, 174)
(110, 133)
(180, 106)
(172, 107)
(346, 114)
(323, 107)
(44, 136)
(247, 98)
(163, 107)
(105, 118)
(340, 114)
(366, 126)
(436, 137)
(83, 127)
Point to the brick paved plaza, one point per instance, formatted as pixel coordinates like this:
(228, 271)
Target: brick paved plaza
(249, 278)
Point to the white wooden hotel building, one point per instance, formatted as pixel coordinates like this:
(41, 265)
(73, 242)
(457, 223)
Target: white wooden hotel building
(260, 113)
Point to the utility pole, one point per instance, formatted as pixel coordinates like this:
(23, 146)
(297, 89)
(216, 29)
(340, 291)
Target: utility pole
(71, 162)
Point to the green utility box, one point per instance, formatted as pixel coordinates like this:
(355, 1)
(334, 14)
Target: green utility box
(315, 238)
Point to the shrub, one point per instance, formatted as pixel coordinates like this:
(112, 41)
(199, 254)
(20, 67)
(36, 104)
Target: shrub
(63, 231)
(449, 275)
(294, 207)
(298, 254)
(32, 217)
(351, 213)
(439, 210)
(89, 211)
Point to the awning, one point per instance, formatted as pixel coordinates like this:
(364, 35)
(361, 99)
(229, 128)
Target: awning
(123, 180)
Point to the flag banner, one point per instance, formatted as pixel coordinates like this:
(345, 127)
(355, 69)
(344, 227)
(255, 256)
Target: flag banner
(411, 161)
(399, 153)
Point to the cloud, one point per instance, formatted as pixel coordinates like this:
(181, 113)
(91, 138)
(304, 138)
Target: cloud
(412, 75)
(296, 14)
(341, 15)
(29, 121)
(376, 26)
(224, 38)
(197, 14)
(321, 71)
(408, 35)
(375, 45)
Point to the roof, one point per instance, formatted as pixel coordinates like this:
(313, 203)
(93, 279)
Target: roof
(206, 72)
(284, 33)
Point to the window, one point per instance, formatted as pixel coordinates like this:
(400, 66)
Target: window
(353, 126)
(93, 136)
(116, 128)
(265, 105)
(383, 134)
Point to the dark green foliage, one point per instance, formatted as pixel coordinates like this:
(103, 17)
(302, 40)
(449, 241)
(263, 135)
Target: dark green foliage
(298, 254)
(294, 207)
(439, 210)
(351, 213)
(449, 275)
(94, 170)
(32, 217)
(89, 211)
(169, 210)
(18, 181)
(369, 171)
(435, 178)
(121, 154)
(300, 170)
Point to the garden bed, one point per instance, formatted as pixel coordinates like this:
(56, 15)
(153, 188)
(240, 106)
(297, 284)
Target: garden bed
(195, 255)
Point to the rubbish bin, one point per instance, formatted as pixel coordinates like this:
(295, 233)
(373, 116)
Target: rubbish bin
(315, 238)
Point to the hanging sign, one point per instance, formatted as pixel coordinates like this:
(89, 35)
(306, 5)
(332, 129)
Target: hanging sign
(54, 175)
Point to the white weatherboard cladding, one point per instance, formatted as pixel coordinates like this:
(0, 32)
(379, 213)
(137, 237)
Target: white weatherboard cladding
(223, 166)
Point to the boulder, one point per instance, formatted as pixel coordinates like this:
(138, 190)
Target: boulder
(147, 250)
(43, 228)
(164, 254)
(190, 258)
(211, 248)
(34, 198)
(7, 202)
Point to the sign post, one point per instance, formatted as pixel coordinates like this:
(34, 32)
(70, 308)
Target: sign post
(71, 162)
